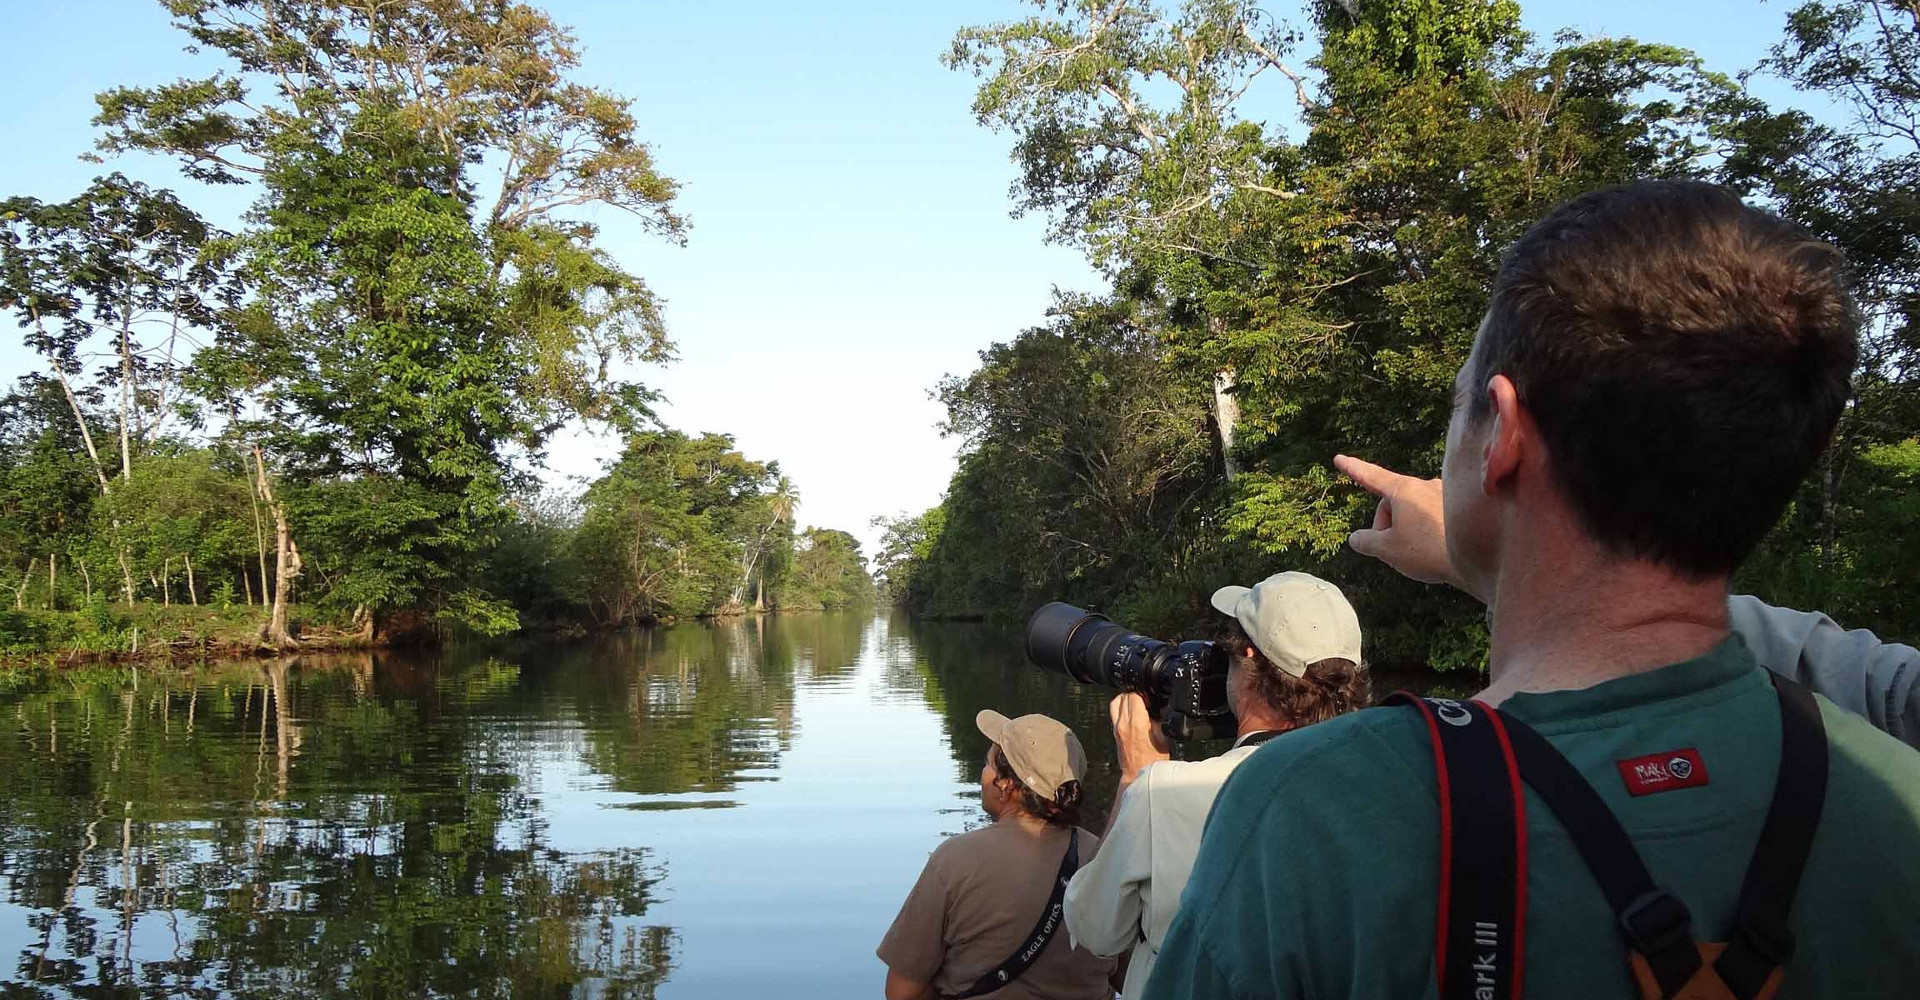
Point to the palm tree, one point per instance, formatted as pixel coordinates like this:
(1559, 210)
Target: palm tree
(779, 507)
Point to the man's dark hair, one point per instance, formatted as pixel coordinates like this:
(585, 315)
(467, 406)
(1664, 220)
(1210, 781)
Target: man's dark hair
(1685, 356)
(1329, 688)
(1061, 810)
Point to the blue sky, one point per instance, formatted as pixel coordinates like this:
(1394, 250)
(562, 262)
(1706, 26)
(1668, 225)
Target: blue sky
(851, 240)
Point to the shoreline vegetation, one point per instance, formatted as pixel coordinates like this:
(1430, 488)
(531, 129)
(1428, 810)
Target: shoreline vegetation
(108, 634)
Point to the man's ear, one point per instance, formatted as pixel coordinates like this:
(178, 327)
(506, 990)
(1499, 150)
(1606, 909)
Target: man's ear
(1507, 441)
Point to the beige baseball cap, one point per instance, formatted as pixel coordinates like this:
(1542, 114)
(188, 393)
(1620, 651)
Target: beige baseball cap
(1044, 752)
(1296, 619)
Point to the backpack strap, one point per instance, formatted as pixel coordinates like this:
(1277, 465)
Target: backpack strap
(1657, 925)
(1762, 940)
(1480, 926)
(1655, 922)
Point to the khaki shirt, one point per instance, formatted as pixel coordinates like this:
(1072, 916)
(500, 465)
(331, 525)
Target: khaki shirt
(974, 905)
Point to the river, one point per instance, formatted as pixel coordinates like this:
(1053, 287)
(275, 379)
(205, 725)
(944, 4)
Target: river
(703, 811)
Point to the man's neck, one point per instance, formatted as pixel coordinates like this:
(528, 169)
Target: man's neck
(1568, 624)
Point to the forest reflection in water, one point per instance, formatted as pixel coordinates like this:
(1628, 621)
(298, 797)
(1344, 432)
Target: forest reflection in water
(698, 811)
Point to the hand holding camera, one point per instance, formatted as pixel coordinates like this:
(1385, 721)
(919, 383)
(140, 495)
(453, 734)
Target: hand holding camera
(1137, 735)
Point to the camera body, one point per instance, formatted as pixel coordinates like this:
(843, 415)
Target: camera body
(1185, 683)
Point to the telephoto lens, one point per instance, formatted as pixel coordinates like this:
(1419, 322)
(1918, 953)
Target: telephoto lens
(1185, 685)
(1092, 650)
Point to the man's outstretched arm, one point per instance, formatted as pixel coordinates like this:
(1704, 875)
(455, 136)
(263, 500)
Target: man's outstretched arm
(1877, 680)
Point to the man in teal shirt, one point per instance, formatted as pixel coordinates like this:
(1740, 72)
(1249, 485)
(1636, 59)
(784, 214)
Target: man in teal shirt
(1659, 367)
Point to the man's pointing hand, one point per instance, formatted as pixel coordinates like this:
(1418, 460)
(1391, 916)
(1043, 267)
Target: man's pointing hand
(1409, 527)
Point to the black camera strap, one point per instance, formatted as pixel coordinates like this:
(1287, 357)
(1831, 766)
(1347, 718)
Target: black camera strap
(1480, 922)
(1042, 932)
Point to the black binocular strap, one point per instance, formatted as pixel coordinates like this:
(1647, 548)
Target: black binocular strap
(1042, 932)
(1480, 925)
(1655, 922)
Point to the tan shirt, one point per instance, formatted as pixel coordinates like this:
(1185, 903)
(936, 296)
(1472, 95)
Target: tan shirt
(976, 901)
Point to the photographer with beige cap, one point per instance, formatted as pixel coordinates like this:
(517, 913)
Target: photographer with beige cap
(982, 919)
(1293, 643)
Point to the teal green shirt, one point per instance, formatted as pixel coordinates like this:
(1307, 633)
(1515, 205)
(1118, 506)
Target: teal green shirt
(1317, 875)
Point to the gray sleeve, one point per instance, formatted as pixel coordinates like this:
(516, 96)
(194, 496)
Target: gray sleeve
(1854, 669)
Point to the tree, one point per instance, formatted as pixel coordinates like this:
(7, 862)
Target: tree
(185, 514)
(534, 564)
(1852, 180)
(777, 516)
(664, 532)
(1338, 278)
(119, 256)
(1128, 133)
(828, 572)
(420, 308)
(907, 542)
(1085, 473)
(47, 486)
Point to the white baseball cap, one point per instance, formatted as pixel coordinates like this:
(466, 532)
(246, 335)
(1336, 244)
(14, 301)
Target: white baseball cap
(1294, 619)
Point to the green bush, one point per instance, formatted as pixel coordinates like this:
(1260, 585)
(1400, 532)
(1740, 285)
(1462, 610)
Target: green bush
(22, 630)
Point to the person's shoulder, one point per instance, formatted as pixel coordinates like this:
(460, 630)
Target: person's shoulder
(1333, 751)
(1861, 754)
(1184, 772)
(961, 848)
(1368, 761)
(1309, 804)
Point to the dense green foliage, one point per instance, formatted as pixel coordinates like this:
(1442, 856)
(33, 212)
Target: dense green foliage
(675, 527)
(347, 401)
(1282, 296)
(684, 526)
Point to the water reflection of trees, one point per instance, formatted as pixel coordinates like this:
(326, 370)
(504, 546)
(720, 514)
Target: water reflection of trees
(339, 828)
(694, 708)
(699, 708)
(823, 648)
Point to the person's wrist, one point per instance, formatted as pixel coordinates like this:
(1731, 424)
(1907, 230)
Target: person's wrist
(1132, 764)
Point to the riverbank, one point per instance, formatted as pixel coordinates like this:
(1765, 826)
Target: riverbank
(115, 633)
(118, 633)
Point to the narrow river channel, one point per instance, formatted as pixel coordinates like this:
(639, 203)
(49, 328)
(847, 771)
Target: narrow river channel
(704, 811)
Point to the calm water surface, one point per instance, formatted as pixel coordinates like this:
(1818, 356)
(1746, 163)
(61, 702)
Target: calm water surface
(702, 811)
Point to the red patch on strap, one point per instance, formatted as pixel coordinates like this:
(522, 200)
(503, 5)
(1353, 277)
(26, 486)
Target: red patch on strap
(1663, 772)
